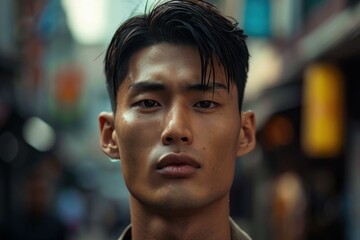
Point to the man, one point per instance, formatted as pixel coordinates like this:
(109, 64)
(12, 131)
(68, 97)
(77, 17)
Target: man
(176, 78)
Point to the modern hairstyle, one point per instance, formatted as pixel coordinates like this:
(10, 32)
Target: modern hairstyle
(181, 22)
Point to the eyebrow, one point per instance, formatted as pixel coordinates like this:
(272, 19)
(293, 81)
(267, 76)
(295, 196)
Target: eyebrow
(144, 86)
(147, 86)
(211, 87)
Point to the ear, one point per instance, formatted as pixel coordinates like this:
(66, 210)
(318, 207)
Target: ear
(108, 138)
(247, 133)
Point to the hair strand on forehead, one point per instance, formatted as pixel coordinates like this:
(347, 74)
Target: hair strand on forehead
(218, 39)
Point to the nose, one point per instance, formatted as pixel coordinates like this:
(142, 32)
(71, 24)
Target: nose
(177, 127)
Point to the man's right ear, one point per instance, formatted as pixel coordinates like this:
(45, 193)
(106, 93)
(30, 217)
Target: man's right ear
(108, 138)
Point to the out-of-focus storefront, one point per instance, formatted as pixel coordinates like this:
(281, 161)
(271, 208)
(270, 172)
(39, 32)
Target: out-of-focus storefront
(304, 89)
(54, 181)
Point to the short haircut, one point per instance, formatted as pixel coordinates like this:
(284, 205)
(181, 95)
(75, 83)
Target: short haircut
(181, 22)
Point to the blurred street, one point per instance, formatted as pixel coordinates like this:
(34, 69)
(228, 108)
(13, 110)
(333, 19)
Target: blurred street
(300, 183)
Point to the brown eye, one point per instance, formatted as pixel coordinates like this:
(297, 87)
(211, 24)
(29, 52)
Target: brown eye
(148, 103)
(205, 104)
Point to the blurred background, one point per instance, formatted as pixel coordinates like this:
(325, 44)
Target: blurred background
(302, 180)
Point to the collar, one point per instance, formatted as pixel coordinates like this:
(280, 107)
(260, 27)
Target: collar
(236, 232)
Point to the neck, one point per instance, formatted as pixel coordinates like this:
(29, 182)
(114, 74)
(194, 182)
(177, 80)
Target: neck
(209, 222)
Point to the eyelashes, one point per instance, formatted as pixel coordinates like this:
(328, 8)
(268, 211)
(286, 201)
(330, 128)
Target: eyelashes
(205, 104)
(148, 103)
(152, 104)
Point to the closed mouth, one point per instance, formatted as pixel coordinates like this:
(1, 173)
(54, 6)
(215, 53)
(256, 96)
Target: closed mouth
(177, 166)
(177, 160)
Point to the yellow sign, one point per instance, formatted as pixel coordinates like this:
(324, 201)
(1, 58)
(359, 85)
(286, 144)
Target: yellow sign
(323, 111)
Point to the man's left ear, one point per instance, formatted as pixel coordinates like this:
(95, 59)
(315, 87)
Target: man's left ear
(247, 139)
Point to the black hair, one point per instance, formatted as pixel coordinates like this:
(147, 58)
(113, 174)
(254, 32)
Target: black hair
(181, 22)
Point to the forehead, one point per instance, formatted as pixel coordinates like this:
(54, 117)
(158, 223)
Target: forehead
(178, 62)
(173, 69)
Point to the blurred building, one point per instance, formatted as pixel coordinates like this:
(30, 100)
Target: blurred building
(303, 87)
(301, 181)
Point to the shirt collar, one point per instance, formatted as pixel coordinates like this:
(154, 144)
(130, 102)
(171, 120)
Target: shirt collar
(236, 232)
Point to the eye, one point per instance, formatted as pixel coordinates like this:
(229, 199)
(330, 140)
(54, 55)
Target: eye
(147, 103)
(205, 104)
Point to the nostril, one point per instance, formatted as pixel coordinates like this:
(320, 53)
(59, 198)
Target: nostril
(184, 139)
(168, 139)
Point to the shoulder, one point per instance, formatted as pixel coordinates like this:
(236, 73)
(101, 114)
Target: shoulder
(126, 234)
(237, 233)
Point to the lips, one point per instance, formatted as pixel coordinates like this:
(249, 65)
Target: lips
(177, 166)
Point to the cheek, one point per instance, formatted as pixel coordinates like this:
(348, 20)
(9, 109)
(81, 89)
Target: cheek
(223, 154)
(135, 140)
(221, 134)
(220, 144)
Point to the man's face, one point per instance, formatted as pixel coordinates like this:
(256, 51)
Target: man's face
(177, 142)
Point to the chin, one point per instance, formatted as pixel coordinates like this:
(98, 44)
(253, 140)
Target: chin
(174, 200)
(182, 203)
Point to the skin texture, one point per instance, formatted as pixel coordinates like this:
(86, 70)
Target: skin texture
(162, 110)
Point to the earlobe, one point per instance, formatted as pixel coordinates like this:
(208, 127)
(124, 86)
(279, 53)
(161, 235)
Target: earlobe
(108, 138)
(247, 139)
